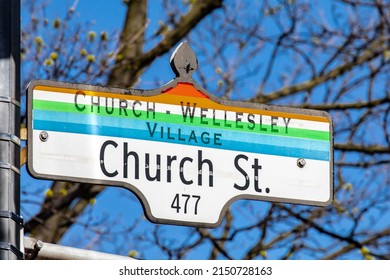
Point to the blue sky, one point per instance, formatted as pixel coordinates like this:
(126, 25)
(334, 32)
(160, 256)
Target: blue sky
(105, 17)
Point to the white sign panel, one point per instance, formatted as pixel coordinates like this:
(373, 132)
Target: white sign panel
(185, 154)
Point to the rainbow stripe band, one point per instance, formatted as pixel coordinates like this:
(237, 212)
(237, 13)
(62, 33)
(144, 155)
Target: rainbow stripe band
(67, 112)
(311, 142)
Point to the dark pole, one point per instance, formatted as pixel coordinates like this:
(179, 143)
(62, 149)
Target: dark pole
(11, 222)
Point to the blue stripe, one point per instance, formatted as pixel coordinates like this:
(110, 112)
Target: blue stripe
(309, 152)
(89, 119)
(185, 130)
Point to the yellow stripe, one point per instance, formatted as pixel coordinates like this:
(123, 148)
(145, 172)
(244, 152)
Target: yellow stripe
(173, 97)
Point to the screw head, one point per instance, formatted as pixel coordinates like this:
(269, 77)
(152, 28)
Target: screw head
(43, 136)
(38, 245)
(301, 162)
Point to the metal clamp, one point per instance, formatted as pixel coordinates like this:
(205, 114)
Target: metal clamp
(12, 248)
(7, 99)
(10, 137)
(11, 215)
(8, 246)
(7, 165)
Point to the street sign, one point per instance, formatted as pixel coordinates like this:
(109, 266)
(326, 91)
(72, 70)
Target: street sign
(185, 153)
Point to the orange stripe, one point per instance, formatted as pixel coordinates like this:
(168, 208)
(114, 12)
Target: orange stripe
(187, 90)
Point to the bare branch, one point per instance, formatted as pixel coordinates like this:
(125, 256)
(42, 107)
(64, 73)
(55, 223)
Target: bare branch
(127, 71)
(376, 49)
(346, 106)
(366, 149)
(349, 247)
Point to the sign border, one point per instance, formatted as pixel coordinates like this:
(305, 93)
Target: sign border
(155, 92)
(181, 77)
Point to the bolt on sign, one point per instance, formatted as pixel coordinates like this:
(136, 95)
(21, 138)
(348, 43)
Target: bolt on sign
(185, 153)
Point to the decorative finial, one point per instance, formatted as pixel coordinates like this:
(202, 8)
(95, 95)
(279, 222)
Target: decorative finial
(183, 61)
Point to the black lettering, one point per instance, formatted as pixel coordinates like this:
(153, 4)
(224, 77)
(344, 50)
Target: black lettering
(151, 131)
(203, 115)
(79, 108)
(111, 110)
(205, 137)
(214, 120)
(256, 167)
(181, 172)
(179, 137)
(238, 120)
(225, 122)
(122, 106)
(151, 109)
(187, 111)
(157, 177)
(192, 137)
(136, 114)
(170, 159)
(169, 136)
(126, 155)
(274, 122)
(261, 124)
(286, 122)
(242, 171)
(95, 103)
(217, 139)
(201, 162)
(102, 152)
(251, 120)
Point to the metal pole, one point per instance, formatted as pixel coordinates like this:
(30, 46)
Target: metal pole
(10, 221)
(38, 250)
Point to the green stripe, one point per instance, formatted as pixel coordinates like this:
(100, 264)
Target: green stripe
(178, 119)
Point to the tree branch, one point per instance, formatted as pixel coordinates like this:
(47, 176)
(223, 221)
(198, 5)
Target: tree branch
(126, 72)
(375, 50)
(204, 233)
(57, 213)
(346, 106)
(372, 149)
(350, 247)
(131, 44)
(320, 229)
(362, 164)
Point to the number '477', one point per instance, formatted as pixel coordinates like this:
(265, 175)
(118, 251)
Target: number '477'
(185, 203)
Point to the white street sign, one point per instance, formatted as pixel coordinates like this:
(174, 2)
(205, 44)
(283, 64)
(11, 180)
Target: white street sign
(186, 157)
(186, 154)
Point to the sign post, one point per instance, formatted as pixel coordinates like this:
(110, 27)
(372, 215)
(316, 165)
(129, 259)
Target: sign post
(10, 221)
(185, 153)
